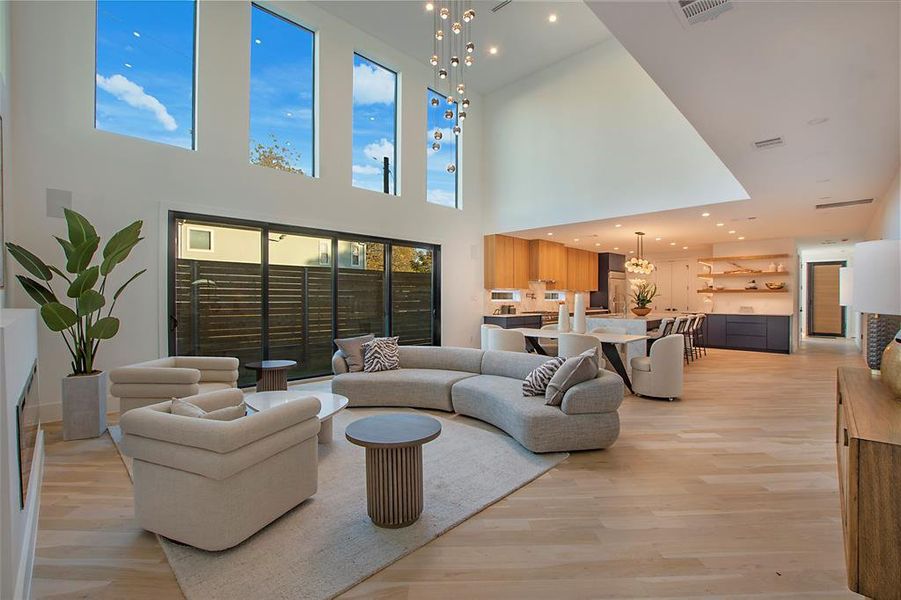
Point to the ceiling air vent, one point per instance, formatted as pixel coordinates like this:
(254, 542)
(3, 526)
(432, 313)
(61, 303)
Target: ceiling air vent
(500, 5)
(770, 143)
(697, 11)
(844, 204)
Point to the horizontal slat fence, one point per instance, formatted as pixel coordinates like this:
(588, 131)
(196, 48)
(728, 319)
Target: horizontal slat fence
(218, 306)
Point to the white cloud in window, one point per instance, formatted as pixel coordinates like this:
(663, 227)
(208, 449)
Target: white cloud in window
(366, 170)
(134, 95)
(443, 197)
(373, 85)
(380, 149)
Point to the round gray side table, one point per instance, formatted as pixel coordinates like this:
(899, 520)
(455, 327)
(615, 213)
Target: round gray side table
(393, 446)
(272, 375)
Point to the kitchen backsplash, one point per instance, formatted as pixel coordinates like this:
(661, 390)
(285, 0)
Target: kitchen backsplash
(530, 300)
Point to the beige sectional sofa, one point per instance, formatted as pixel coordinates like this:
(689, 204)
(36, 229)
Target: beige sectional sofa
(212, 484)
(487, 385)
(159, 380)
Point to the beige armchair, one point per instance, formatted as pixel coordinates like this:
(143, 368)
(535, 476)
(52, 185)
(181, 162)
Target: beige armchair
(212, 484)
(659, 375)
(158, 380)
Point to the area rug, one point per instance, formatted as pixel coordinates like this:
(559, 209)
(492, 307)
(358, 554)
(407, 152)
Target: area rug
(327, 545)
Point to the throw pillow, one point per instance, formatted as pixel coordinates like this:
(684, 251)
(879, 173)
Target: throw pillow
(380, 355)
(575, 370)
(353, 351)
(186, 409)
(535, 383)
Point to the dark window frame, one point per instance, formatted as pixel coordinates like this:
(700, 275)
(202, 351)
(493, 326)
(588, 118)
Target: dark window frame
(265, 229)
(396, 166)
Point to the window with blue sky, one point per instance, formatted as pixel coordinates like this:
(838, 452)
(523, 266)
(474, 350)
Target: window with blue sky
(441, 152)
(281, 93)
(374, 126)
(145, 70)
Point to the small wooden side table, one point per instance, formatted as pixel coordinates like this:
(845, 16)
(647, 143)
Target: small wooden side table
(393, 464)
(272, 375)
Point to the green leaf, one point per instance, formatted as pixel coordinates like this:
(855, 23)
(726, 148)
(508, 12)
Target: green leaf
(80, 230)
(84, 281)
(114, 259)
(60, 273)
(104, 328)
(32, 263)
(127, 236)
(82, 256)
(38, 292)
(58, 316)
(90, 301)
(122, 288)
(68, 248)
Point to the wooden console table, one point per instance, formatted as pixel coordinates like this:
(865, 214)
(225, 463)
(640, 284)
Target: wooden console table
(868, 443)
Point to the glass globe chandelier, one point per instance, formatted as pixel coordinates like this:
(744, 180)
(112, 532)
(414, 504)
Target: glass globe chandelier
(638, 263)
(452, 56)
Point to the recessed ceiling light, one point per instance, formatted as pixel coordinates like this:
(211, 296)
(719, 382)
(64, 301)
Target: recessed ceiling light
(597, 244)
(706, 214)
(429, 6)
(492, 50)
(618, 225)
(720, 224)
(631, 251)
(550, 233)
(575, 239)
(616, 247)
(552, 18)
(685, 247)
(672, 243)
(258, 41)
(741, 237)
(658, 239)
(818, 121)
(731, 231)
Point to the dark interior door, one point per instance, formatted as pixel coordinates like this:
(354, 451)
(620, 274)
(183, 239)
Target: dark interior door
(825, 316)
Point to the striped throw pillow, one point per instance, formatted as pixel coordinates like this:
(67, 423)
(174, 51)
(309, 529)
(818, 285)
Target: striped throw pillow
(380, 355)
(536, 382)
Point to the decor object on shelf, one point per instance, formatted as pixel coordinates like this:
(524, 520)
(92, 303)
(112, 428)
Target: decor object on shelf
(638, 263)
(740, 269)
(876, 283)
(643, 292)
(751, 285)
(579, 325)
(563, 324)
(85, 326)
(891, 365)
(451, 40)
(780, 268)
(772, 268)
(774, 285)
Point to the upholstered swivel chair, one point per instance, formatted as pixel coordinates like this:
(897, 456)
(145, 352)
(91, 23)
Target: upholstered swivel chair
(660, 374)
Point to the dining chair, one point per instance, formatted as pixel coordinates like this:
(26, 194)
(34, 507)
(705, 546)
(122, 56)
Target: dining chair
(680, 325)
(619, 349)
(665, 328)
(574, 344)
(509, 340)
(700, 335)
(485, 329)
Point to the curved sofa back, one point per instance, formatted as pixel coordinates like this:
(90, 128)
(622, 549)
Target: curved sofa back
(468, 360)
(516, 365)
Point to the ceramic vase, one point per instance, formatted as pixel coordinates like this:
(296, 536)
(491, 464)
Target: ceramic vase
(563, 319)
(84, 406)
(579, 324)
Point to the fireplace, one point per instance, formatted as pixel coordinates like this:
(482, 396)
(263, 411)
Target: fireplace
(27, 424)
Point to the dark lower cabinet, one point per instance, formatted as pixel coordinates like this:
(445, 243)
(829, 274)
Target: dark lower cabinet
(762, 333)
(514, 321)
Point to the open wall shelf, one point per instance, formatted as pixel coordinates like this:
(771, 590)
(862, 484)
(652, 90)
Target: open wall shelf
(730, 258)
(758, 274)
(742, 291)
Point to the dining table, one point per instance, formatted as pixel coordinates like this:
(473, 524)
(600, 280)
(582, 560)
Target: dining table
(609, 345)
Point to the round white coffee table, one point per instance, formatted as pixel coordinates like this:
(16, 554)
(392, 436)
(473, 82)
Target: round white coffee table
(330, 405)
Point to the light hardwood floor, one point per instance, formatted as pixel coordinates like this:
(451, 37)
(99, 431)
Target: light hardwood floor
(731, 491)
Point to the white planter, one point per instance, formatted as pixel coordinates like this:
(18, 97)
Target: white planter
(84, 406)
(579, 325)
(563, 319)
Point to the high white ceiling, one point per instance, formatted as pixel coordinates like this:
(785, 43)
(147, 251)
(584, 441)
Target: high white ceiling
(767, 69)
(526, 41)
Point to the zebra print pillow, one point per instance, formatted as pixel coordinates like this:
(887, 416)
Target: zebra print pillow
(536, 382)
(380, 355)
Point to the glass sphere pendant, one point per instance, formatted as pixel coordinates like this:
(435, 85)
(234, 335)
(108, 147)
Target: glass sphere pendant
(444, 12)
(465, 103)
(442, 73)
(455, 61)
(435, 102)
(470, 48)
(436, 146)
(462, 115)
(469, 15)
(456, 28)
(433, 60)
(439, 35)
(451, 168)
(457, 130)
(438, 134)
(448, 114)
(468, 60)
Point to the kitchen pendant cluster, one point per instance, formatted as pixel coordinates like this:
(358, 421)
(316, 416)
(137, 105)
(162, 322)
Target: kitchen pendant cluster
(638, 263)
(452, 54)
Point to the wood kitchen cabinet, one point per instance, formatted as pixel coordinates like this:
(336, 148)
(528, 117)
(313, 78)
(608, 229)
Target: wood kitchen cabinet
(506, 263)
(548, 263)
(581, 270)
(868, 452)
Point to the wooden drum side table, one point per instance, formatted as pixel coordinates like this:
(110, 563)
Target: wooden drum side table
(393, 446)
(272, 375)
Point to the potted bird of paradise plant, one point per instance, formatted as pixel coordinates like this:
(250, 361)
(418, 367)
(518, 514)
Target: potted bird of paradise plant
(643, 293)
(83, 316)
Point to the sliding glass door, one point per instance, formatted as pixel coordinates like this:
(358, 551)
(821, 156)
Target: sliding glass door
(264, 291)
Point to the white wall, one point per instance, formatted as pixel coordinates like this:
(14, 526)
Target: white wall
(886, 222)
(116, 179)
(5, 45)
(593, 137)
